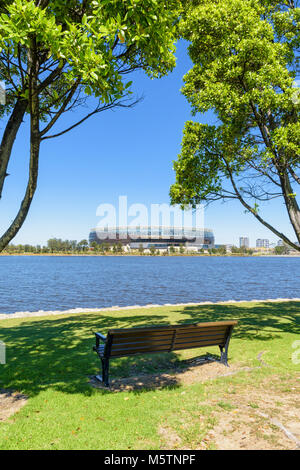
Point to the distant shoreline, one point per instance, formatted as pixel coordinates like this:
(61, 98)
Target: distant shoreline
(199, 255)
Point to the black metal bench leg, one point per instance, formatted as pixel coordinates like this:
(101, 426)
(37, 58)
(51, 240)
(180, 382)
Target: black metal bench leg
(224, 354)
(105, 371)
(224, 357)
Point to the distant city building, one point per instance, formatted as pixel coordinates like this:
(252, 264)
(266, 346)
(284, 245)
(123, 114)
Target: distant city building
(244, 242)
(154, 237)
(280, 243)
(262, 243)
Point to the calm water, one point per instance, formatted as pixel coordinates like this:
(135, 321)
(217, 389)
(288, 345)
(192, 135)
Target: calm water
(60, 283)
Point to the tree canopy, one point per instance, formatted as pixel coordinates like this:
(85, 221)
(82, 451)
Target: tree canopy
(55, 54)
(246, 63)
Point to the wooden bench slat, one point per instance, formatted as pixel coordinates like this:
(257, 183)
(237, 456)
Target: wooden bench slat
(168, 327)
(197, 345)
(140, 345)
(192, 334)
(215, 339)
(129, 352)
(126, 347)
(143, 350)
(198, 328)
(167, 334)
(126, 343)
(132, 339)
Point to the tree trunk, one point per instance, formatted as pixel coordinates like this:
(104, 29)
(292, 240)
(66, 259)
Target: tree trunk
(35, 141)
(291, 203)
(30, 190)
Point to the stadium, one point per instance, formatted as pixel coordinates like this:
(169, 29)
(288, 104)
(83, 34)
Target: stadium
(157, 237)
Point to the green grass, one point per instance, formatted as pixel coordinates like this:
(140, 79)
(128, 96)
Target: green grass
(50, 359)
(225, 405)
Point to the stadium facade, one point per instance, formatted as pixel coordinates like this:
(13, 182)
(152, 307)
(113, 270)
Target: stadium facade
(157, 237)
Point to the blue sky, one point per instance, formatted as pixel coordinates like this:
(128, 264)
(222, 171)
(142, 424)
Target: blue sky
(124, 152)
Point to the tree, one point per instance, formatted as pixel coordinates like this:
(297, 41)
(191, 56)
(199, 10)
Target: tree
(55, 54)
(281, 250)
(83, 245)
(222, 250)
(242, 250)
(53, 245)
(182, 248)
(246, 61)
(152, 250)
(105, 247)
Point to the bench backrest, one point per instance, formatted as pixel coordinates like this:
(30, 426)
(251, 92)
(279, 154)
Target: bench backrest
(126, 342)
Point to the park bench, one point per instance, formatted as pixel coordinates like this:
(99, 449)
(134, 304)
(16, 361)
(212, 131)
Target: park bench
(159, 339)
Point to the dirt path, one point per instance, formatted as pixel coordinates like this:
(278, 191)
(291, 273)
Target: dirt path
(10, 403)
(260, 417)
(249, 416)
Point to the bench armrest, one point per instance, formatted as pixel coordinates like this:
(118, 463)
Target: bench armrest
(99, 337)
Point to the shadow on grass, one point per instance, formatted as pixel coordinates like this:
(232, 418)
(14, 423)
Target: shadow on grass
(167, 379)
(56, 353)
(259, 321)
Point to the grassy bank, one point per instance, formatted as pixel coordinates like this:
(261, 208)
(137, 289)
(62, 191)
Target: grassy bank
(51, 360)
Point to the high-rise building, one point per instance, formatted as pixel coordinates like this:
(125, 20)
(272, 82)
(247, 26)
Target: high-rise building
(262, 243)
(244, 242)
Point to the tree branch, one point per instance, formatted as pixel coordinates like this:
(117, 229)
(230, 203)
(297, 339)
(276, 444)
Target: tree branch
(96, 111)
(253, 212)
(34, 152)
(294, 175)
(62, 109)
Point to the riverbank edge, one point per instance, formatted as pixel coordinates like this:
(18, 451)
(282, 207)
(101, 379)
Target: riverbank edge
(43, 313)
(173, 255)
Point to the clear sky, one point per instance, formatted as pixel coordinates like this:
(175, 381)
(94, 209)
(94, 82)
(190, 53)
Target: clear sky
(116, 153)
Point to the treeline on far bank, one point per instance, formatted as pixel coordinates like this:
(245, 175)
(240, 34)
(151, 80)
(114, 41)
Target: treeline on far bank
(54, 245)
(59, 246)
